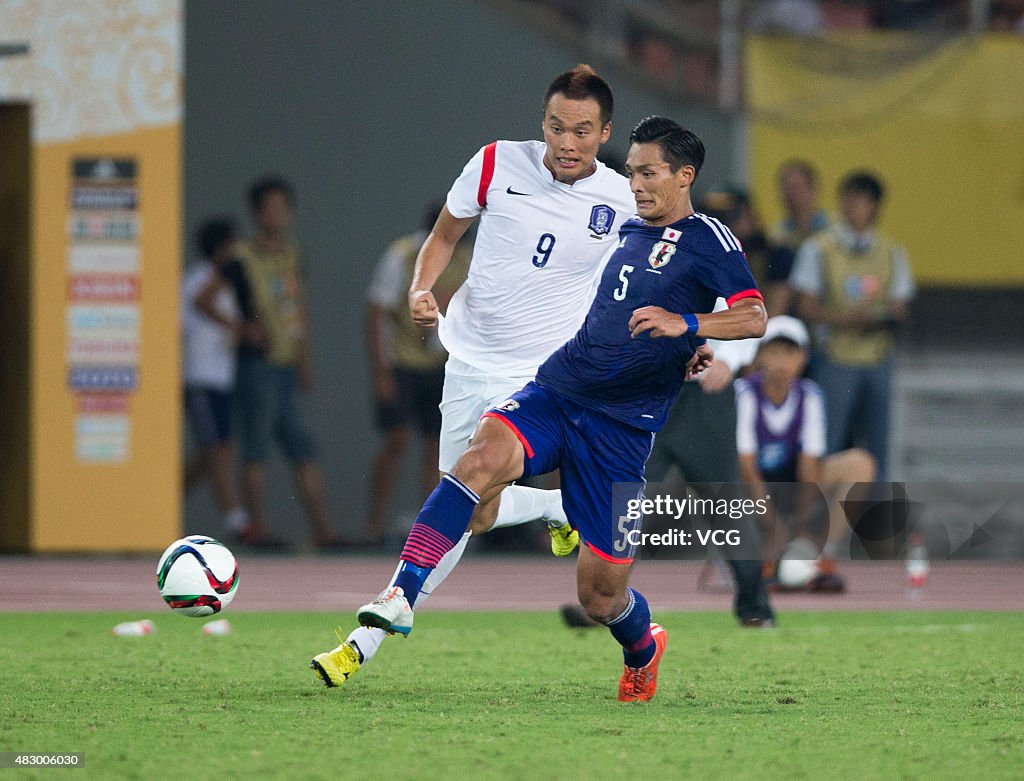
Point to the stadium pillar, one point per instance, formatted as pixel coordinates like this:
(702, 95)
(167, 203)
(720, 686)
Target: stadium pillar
(15, 159)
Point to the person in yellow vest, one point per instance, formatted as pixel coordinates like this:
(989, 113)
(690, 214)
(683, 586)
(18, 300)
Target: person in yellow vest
(854, 284)
(407, 363)
(273, 370)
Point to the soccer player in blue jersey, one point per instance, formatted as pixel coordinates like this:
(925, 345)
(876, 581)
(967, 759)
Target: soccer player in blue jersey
(598, 400)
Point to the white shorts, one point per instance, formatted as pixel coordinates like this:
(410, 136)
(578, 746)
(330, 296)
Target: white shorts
(468, 393)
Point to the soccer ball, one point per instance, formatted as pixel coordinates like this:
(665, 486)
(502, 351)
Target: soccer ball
(798, 564)
(197, 576)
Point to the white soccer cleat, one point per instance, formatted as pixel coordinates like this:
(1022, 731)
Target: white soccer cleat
(390, 611)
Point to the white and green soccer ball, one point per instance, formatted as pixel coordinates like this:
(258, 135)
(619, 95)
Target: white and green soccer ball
(197, 576)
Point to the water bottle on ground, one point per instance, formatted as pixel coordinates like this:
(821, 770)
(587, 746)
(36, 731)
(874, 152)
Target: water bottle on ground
(134, 628)
(917, 564)
(217, 628)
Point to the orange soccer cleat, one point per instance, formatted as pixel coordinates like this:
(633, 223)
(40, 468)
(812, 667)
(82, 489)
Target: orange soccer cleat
(640, 683)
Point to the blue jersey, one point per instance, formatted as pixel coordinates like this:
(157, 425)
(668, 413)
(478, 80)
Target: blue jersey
(683, 268)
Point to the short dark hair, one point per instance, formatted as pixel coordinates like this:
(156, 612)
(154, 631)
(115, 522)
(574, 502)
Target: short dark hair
(803, 167)
(580, 83)
(865, 183)
(214, 233)
(679, 146)
(263, 186)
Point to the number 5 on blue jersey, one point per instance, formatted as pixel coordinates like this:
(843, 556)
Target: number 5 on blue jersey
(619, 294)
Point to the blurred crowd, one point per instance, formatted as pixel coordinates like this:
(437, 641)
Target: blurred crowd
(679, 44)
(806, 17)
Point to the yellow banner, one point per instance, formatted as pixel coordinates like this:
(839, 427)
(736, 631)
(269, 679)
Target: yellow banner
(941, 122)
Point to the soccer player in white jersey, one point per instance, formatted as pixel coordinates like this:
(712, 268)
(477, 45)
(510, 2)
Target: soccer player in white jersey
(549, 211)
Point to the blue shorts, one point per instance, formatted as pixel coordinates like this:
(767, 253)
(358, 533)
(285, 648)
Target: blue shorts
(209, 413)
(602, 462)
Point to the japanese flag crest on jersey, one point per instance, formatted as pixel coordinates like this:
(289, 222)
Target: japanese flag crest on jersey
(661, 254)
(508, 405)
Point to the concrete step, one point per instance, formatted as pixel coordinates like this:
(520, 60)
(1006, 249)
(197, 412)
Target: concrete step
(959, 424)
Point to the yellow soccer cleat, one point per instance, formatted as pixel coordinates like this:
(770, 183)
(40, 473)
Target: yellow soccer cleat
(564, 539)
(335, 667)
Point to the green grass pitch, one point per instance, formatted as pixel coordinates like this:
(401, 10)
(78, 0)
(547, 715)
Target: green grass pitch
(515, 695)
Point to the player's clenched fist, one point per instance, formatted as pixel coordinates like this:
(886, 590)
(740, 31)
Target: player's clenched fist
(423, 308)
(702, 359)
(660, 322)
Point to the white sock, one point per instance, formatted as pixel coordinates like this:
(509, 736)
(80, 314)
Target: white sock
(368, 639)
(521, 504)
(443, 569)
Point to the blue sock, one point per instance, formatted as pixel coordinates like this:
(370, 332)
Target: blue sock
(410, 579)
(632, 628)
(440, 524)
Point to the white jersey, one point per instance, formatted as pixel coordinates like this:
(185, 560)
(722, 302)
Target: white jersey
(538, 246)
(208, 349)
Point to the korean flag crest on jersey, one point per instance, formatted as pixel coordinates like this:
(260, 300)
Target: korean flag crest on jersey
(601, 219)
(661, 254)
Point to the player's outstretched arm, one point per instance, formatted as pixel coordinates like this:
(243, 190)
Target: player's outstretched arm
(432, 260)
(746, 319)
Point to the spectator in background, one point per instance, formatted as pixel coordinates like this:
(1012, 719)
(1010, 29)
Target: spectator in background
(407, 364)
(271, 373)
(780, 438)
(210, 325)
(855, 284)
(798, 192)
